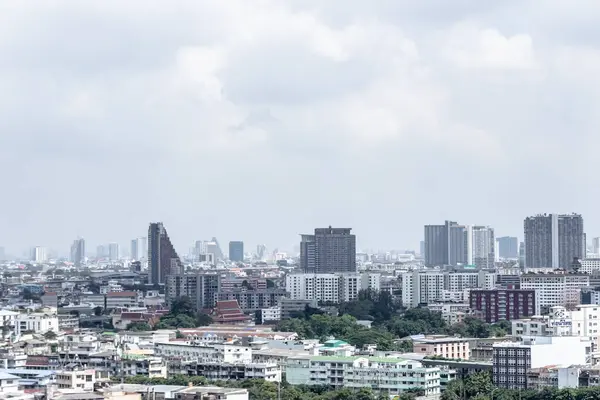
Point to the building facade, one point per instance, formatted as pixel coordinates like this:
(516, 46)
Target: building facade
(236, 251)
(78, 252)
(553, 240)
(328, 250)
(335, 288)
(162, 257)
(502, 304)
(508, 247)
(555, 289)
(202, 289)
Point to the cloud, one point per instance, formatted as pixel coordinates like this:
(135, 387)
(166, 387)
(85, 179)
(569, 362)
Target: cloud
(257, 120)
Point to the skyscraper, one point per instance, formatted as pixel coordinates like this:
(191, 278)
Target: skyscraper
(162, 257)
(596, 246)
(553, 240)
(101, 251)
(138, 248)
(113, 251)
(236, 251)
(447, 244)
(484, 247)
(508, 247)
(329, 250)
(39, 254)
(78, 252)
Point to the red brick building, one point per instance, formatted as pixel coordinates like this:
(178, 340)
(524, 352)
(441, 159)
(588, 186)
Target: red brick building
(502, 304)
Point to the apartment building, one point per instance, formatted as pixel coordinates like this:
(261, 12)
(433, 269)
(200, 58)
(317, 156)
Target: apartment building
(555, 289)
(502, 304)
(121, 299)
(203, 352)
(441, 346)
(583, 321)
(200, 288)
(589, 265)
(512, 360)
(253, 300)
(335, 288)
(423, 287)
(39, 322)
(80, 380)
(390, 375)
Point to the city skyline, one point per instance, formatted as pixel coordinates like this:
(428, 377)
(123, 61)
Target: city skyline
(479, 92)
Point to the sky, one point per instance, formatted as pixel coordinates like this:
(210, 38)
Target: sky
(258, 120)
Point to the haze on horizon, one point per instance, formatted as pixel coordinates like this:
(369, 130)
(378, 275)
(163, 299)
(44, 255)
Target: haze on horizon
(260, 120)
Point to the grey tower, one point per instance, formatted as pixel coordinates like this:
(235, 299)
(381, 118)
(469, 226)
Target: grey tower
(447, 244)
(236, 251)
(553, 240)
(508, 247)
(329, 250)
(78, 252)
(162, 257)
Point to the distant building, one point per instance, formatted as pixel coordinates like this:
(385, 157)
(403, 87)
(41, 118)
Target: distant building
(483, 246)
(441, 346)
(113, 252)
(162, 257)
(78, 252)
(39, 254)
(139, 249)
(335, 288)
(508, 247)
(502, 304)
(555, 289)
(454, 244)
(553, 240)
(328, 250)
(202, 289)
(236, 251)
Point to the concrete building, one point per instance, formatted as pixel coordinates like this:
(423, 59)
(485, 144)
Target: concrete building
(512, 360)
(508, 247)
(291, 307)
(553, 240)
(38, 322)
(335, 288)
(162, 257)
(328, 250)
(236, 251)
(391, 375)
(121, 299)
(596, 246)
(139, 249)
(448, 244)
(253, 300)
(556, 289)
(590, 265)
(202, 289)
(422, 287)
(502, 304)
(114, 253)
(78, 252)
(441, 346)
(39, 254)
(483, 247)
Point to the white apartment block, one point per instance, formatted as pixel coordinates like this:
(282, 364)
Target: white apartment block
(555, 289)
(336, 288)
(391, 375)
(422, 287)
(512, 360)
(583, 321)
(270, 314)
(79, 380)
(40, 322)
(211, 353)
(590, 265)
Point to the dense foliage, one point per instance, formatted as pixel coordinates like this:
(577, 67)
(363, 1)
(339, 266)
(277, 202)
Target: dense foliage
(183, 314)
(259, 389)
(389, 323)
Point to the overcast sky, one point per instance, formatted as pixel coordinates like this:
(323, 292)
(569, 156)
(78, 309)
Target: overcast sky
(259, 120)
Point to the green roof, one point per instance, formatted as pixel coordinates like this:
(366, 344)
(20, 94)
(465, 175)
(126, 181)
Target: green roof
(335, 343)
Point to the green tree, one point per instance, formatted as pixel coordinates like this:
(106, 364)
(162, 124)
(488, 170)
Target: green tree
(98, 311)
(139, 326)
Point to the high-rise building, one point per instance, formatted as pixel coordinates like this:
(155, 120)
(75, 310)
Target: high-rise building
(422, 248)
(113, 251)
(236, 251)
(39, 254)
(553, 240)
(139, 250)
(329, 250)
(101, 251)
(78, 252)
(484, 246)
(508, 247)
(162, 257)
(216, 249)
(596, 246)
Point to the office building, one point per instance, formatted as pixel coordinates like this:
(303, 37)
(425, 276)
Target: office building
(553, 240)
(423, 287)
(559, 289)
(162, 257)
(596, 246)
(589, 266)
(502, 304)
(113, 252)
(484, 246)
(335, 288)
(441, 346)
(512, 360)
(39, 254)
(139, 249)
(508, 247)
(202, 289)
(78, 252)
(393, 376)
(236, 251)
(329, 250)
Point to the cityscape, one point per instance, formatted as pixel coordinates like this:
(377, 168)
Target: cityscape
(299, 200)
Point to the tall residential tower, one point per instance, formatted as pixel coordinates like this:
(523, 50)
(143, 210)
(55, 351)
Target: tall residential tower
(162, 257)
(328, 250)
